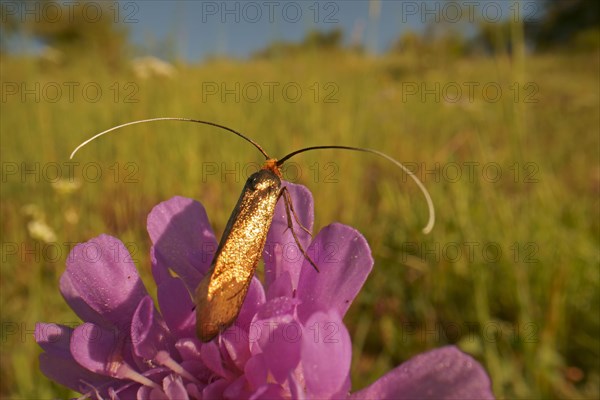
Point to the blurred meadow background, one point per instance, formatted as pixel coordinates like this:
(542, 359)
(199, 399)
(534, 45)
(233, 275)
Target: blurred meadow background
(500, 121)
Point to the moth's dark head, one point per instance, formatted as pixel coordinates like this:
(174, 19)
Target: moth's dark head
(263, 180)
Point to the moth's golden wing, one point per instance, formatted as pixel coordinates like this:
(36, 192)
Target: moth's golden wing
(218, 308)
(220, 295)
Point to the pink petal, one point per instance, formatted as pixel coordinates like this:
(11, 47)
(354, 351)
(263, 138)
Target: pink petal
(215, 390)
(96, 348)
(238, 389)
(278, 336)
(281, 252)
(282, 350)
(105, 351)
(256, 371)
(54, 339)
(149, 333)
(281, 287)
(145, 393)
(269, 391)
(211, 357)
(234, 343)
(174, 388)
(189, 348)
(183, 239)
(326, 355)
(101, 282)
(69, 373)
(273, 312)
(177, 307)
(445, 373)
(344, 260)
(254, 299)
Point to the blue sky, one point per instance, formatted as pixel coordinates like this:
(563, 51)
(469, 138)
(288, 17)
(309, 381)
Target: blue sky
(192, 30)
(238, 28)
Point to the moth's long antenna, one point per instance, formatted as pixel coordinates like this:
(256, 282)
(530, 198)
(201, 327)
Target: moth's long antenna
(171, 119)
(430, 206)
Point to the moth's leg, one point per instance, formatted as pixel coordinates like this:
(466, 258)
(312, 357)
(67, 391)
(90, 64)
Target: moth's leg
(288, 206)
(288, 201)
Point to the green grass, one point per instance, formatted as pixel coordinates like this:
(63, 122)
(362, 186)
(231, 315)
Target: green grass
(529, 314)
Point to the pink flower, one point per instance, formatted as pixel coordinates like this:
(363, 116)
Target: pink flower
(289, 340)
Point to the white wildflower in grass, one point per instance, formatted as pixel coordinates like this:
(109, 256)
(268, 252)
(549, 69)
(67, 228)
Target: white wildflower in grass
(66, 186)
(41, 231)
